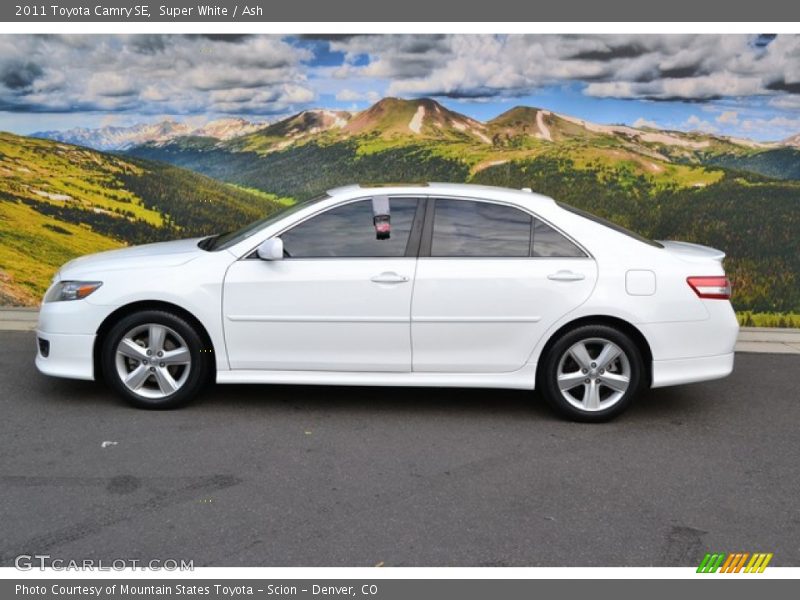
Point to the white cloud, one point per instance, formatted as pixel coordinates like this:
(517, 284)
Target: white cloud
(705, 87)
(110, 84)
(157, 74)
(682, 67)
(267, 74)
(695, 123)
(728, 117)
(786, 102)
(779, 127)
(348, 95)
(642, 122)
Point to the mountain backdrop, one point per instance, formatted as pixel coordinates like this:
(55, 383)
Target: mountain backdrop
(735, 194)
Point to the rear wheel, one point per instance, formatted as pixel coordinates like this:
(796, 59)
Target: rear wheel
(592, 373)
(155, 359)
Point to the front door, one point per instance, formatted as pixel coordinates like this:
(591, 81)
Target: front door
(340, 299)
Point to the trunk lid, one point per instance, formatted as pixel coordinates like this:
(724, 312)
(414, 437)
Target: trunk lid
(689, 251)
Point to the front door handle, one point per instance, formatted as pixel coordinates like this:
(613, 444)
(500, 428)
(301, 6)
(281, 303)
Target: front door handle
(389, 277)
(566, 276)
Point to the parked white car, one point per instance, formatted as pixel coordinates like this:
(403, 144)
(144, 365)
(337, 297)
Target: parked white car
(409, 285)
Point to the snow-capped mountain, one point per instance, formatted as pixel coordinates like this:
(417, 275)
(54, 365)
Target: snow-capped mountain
(225, 129)
(122, 138)
(792, 141)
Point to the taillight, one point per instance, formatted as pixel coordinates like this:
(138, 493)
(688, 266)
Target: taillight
(716, 288)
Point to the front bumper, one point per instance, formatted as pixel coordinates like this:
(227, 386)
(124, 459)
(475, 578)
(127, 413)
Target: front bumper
(70, 329)
(70, 355)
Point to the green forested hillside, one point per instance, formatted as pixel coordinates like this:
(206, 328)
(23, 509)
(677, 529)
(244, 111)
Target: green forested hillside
(779, 163)
(59, 201)
(304, 171)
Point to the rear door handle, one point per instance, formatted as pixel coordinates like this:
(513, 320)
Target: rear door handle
(566, 276)
(389, 277)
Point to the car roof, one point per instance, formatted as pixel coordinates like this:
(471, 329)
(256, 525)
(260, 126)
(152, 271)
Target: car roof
(466, 190)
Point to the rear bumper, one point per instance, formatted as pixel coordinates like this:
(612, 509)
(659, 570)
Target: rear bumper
(691, 370)
(713, 336)
(691, 351)
(69, 355)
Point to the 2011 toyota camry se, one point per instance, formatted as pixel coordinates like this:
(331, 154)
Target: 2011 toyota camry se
(408, 285)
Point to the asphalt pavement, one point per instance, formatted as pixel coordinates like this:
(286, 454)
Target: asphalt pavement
(327, 476)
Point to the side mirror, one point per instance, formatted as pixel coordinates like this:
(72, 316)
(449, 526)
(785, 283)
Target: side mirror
(271, 249)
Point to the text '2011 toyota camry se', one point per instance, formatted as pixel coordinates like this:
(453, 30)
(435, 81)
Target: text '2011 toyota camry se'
(407, 285)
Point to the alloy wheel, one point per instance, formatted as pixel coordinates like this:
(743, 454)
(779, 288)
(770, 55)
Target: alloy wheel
(153, 360)
(593, 374)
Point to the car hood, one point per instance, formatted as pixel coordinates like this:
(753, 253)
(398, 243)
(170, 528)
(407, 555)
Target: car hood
(162, 254)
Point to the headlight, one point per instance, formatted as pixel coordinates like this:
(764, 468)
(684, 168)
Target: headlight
(71, 290)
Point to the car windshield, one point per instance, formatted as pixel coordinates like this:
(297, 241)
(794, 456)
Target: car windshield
(226, 240)
(610, 225)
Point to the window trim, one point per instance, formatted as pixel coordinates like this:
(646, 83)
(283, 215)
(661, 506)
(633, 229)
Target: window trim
(412, 245)
(427, 233)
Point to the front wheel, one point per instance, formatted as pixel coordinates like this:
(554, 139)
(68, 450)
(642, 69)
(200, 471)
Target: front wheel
(155, 359)
(592, 373)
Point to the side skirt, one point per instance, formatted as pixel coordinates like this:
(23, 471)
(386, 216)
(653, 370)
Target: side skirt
(522, 379)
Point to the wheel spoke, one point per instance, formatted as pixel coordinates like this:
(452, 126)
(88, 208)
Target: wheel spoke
(591, 396)
(567, 381)
(581, 355)
(179, 356)
(156, 335)
(137, 377)
(618, 383)
(127, 347)
(166, 383)
(607, 355)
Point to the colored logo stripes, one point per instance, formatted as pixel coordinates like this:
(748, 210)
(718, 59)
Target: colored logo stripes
(735, 562)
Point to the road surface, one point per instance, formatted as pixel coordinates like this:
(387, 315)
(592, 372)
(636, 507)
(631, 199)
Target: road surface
(303, 476)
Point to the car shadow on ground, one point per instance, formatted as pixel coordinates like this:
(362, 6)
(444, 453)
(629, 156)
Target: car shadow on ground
(667, 403)
(670, 403)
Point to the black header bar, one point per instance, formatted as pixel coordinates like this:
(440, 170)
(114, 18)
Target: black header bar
(253, 11)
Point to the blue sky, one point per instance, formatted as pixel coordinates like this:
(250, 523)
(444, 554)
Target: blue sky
(746, 86)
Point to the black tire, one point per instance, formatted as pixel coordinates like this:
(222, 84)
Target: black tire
(192, 383)
(616, 400)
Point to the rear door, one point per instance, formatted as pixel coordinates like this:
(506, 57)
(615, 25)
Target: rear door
(491, 279)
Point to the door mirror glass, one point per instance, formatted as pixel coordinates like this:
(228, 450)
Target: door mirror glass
(271, 249)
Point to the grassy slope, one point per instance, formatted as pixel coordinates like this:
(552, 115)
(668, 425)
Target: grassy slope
(32, 246)
(59, 201)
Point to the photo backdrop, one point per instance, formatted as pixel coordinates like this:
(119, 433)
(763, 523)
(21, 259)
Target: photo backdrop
(115, 140)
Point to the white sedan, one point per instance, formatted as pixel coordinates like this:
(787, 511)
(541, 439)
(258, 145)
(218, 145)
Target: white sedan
(408, 285)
